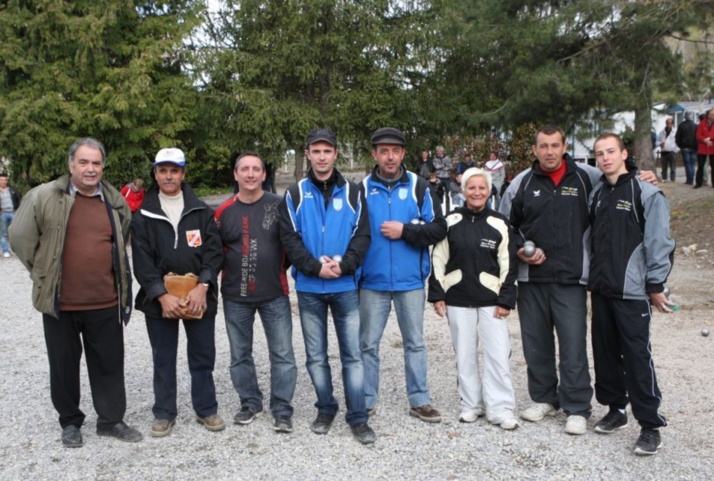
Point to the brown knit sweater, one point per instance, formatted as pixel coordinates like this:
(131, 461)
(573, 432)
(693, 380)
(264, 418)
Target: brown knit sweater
(87, 280)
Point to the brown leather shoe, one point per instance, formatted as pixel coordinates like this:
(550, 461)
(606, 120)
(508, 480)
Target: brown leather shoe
(426, 413)
(213, 422)
(162, 427)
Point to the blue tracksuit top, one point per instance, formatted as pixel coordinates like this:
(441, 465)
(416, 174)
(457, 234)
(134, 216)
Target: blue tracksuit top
(401, 264)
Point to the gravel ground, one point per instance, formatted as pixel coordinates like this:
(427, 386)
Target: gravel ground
(406, 448)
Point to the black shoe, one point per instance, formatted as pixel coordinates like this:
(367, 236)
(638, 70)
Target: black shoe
(697, 186)
(612, 421)
(363, 433)
(648, 443)
(72, 437)
(282, 424)
(246, 415)
(322, 423)
(122, 432)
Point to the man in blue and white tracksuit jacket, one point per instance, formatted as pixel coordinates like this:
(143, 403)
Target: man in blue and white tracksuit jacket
(325, 233)
(632, 254)
(404, 221)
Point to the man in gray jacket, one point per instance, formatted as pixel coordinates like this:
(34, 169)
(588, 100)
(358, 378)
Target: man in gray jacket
(73, 231)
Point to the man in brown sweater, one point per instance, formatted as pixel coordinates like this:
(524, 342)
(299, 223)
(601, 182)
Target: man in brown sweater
(72, 232)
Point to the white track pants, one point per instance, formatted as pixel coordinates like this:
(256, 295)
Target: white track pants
(494, 393)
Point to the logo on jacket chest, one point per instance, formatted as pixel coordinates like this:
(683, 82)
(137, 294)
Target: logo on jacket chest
(193, 237)
(337, 204)
(489, 244)
(623, 204)
(403, 193)
(569, 191)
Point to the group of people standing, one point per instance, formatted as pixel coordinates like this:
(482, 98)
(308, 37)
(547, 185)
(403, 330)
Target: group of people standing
(695, 142)
(355, 249)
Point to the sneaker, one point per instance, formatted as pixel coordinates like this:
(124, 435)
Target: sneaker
(363, 433)
(576, 424)
(322, 423)
(6, 254)
(162, 427)
(538, 411)
(371, 411)
(426, 413)
(246, 415)
(648, 443)
(122, 432)
(613, 420)
(213, 422)
(509, 424)
(469, 415)
(282, 424)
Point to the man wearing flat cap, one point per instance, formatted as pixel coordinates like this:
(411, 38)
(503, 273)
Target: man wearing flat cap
(175, 232)
(404, 221)
(325, 233)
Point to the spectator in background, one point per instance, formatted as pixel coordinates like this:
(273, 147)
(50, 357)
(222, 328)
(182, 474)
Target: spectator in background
(426, 165)
(9, 203)
(437, 187)
(686, 140)
(134, 194)
(668, 150)
(465, 164)
(497, 169)
(442, 167)
(705, 148)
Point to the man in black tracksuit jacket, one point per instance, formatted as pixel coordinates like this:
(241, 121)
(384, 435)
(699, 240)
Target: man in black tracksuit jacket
(632, 254)
(176, 232)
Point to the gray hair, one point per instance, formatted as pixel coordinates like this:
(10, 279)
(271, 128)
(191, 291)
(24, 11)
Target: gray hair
(89, 142)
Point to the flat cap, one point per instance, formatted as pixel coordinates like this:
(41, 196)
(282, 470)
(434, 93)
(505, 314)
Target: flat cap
(388, 135)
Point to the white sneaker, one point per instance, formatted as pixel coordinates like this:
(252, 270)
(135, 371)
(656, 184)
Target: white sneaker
(469, 415)
(576, 425)
(509, 424)
(6, 254)
(537, 412)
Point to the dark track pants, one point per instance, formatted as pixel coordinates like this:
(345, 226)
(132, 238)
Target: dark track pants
(544, 307)
(102, 335)
(623, 358)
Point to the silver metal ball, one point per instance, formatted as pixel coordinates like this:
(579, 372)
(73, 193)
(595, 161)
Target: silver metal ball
(705, 332)
(529, 249)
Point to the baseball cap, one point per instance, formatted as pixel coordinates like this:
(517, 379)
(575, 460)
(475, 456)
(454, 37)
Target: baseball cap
(171, 155)
(322, 135)
(388, 135)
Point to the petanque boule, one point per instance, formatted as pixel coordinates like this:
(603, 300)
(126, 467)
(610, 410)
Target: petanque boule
(705, 332)
(529, 249)
(337, 258)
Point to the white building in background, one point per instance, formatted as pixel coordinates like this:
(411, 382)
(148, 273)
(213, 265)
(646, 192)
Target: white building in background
(583, 138)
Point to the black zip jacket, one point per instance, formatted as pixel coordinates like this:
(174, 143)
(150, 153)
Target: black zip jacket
(555, 218)
(475, 265)
(633, 251)
(158, 249)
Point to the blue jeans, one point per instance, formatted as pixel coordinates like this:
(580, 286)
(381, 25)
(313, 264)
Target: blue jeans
(374, 311)
(344, 307)
(201, 351)
(278, 326)
(5, 221)
(689, 159)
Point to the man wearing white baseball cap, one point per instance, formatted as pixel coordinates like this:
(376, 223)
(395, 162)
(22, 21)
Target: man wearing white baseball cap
(175, 232)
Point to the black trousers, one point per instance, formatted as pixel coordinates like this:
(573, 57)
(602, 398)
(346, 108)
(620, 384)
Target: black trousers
(101, 334)
(624, 371)
(701, 167)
